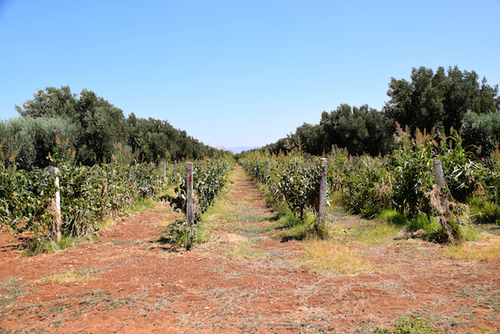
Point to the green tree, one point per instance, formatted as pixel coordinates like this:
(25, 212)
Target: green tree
(438, 100)
(311, 138)
(360, 130)
(31, 140)
(98, 124)
(99, 130)
(101, 125)
(419, 103)
(155, 140)
(51, 102)
(481, 130)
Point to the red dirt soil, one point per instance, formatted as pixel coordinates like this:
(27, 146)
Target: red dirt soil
(129, 280)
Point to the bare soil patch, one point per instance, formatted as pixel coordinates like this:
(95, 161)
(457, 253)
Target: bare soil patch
(245, 279)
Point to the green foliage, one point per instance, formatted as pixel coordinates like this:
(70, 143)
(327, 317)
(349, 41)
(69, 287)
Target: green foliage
(209, 177)
(404, 182)
(91, 193)
(421, 222)
(183, 233)
(392, 216)
(463, 173)
(309, 138)
(31, 140)
(25, 200)
(98, 124)
(415, 326)
(481, 130)
(439, 101)
(367, 192)
(298, 184)
(88, 194)
(491, 179)
(410, 326)
(51, 102)
(359, 130)
(293, 180)
(155, 140)
(483, 211)
(413, 174)
(95, 129)
(296, 228)
(428, 101)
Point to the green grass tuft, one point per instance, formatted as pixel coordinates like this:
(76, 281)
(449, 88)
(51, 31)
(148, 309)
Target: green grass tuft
(393, 217)
(376, 234)
(410, 326)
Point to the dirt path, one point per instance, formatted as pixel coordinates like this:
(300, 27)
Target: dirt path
(243, 279)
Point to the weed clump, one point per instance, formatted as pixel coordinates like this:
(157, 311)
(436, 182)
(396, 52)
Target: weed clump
(410, 326)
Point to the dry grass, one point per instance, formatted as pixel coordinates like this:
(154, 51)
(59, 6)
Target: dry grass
(487, 249)
(326, 256)
(79, 275)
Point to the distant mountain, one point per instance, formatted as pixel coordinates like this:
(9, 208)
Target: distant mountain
(240, 149)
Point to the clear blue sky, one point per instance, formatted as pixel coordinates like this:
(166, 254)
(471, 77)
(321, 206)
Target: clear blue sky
(238, 73)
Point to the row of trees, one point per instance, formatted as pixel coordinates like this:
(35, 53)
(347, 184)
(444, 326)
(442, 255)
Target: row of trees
(94, 129)
(437, 102)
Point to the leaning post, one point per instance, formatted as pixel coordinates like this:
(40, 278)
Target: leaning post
(189, 193)
(56, 204)
(322, 193)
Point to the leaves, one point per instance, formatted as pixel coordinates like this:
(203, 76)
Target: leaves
(294, 180)
(88, 194)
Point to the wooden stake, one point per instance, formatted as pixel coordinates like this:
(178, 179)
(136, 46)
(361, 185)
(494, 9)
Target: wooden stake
(438, 169)
(322, 193)
(56, 204)
(189, 192)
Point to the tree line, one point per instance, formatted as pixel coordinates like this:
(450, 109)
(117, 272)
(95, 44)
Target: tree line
(92, 129)
(433, 102)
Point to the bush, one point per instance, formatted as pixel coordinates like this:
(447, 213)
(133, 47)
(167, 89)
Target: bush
(88, 194)
(410, 326)
(483, 211)
(183, 233)
(367, 190)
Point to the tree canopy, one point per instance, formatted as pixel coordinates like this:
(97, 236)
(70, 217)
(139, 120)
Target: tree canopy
(438, 100)
(95, 129)
(429, 102)
(360, 130)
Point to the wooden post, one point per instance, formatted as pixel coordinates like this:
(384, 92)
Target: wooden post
(322, 193)
(164, 169)
(267, 166)
(56, 204)
(189, 192)
(438, 169)
(443, 208)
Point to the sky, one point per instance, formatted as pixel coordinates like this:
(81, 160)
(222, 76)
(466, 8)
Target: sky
(238, 73)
